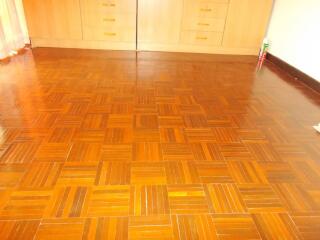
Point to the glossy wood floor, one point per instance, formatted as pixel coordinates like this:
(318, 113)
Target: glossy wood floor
(104, 145)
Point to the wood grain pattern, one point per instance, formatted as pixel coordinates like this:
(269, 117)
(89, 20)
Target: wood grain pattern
(114, 145)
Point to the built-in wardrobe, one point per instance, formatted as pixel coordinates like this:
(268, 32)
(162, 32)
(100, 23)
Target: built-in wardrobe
(203, 26)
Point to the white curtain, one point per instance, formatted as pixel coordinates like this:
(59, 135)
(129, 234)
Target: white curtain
(13, 31)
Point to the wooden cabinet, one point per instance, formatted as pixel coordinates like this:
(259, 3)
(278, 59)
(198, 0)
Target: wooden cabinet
(202, 26)
(97, 24)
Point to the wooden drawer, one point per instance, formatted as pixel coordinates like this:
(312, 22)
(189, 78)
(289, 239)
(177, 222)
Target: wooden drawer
(110, 34)
(201, 38)
(204, 24)
(108, 6)
(205, 9)
(110, 20)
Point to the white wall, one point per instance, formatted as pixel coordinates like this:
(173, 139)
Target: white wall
(294, 34)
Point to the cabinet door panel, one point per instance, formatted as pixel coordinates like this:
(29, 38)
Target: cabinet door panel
(55, 19)
(66, 19)
(205, 9)
(204, 24)
(159, 21)
(37, 17)
(246, 23)
(201, 38)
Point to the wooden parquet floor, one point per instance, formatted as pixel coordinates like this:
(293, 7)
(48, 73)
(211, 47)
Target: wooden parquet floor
(114, 145)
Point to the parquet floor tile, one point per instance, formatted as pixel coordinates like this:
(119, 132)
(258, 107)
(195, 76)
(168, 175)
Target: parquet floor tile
(276, 226)
(298, 197)
(225, 199)
(78, 173)
(193, 227)
(147, 151)
(199, 135)
(172, 135)
(146, 135)
(124, 145)
(235, 226)
(216, 172)
(117, 152)
(260, 198)
(28, 204)
(148, 174)
(85, 152)
(52, 152)
(305, 223)
(149, 200)
(64, 229)
(11, 175)
(181, 172)
(205, 151)
(279, 172)
(107, 201)
(177, 151)
(113, 173)
(247, 172)
(235, 151)
(105, 228)
(19, 152)
(118, 135)
(150, 227)
(43, 175)
(66, 202)
(18, 229)
(187, 199)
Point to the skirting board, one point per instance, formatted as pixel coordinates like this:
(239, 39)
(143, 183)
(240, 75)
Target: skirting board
(299, 75)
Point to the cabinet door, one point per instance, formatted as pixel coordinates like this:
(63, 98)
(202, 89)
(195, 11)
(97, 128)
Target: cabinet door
(54, 19)
(159, 21)
(246, 23)
(37, 18)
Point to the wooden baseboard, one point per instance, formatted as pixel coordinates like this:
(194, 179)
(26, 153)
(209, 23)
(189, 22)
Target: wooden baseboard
(299, 75)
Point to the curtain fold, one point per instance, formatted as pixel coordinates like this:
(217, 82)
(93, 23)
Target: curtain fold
(13, 34)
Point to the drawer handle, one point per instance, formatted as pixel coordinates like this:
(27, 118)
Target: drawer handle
(205, 9)
(108, 4)
(203, 24)
(109, 19)
(202, 38)
(110, 34)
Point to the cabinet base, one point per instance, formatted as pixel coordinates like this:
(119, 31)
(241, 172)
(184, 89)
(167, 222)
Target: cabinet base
(197, 49)
(42, 42)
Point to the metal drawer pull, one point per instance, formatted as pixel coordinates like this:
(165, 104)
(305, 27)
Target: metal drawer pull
(109, 19)
(203, 24)
(108, 4)
(205, 9)
(110, 34)
(202, 38)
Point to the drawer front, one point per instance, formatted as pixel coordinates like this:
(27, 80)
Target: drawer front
(204, 24)
(109, 6)
(201, 38)
(205, 9)
(110, 34)
(110, 20)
